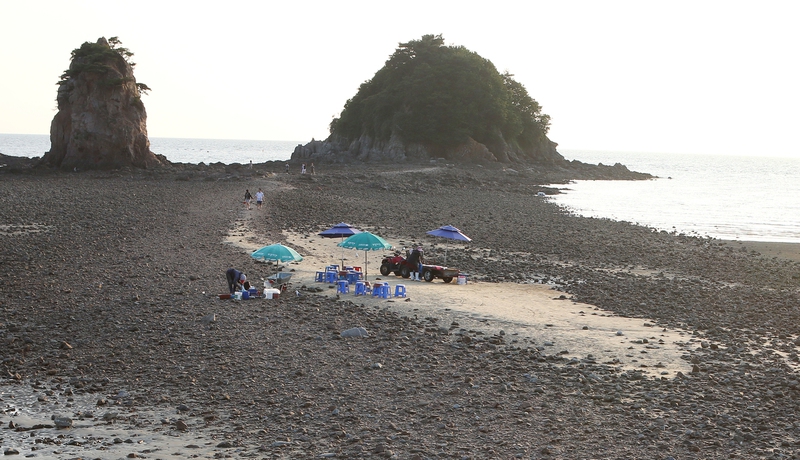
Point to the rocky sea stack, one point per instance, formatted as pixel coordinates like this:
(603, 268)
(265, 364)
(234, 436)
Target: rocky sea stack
(101, 121)
(432, 101)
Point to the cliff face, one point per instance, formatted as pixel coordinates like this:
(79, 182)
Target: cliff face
(336, 149)
(101, 121)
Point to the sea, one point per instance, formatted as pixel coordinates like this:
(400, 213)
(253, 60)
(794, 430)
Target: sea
(227, 151)
(727, 197)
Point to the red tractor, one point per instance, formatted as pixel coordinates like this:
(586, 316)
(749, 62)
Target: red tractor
(398, 265)
(395, 264)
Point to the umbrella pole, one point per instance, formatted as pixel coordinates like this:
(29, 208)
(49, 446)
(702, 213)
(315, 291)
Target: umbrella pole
(342, 266)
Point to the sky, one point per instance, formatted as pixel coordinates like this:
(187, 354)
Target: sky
(706, 77)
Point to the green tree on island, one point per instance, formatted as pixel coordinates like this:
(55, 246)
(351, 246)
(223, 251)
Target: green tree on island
(95, 57)
(441, 95)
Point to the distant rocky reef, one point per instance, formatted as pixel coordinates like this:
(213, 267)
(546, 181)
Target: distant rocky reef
(337, 149)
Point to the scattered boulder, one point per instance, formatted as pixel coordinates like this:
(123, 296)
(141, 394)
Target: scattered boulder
(355, 332)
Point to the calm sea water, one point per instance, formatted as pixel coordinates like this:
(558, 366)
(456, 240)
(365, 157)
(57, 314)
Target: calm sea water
(177, 150)
(728, 197)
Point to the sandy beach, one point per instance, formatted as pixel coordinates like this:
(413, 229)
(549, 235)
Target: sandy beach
(574, 337)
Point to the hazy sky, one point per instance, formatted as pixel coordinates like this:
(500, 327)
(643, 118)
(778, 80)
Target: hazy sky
(697, 76)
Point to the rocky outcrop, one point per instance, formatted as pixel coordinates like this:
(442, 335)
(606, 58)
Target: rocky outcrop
(336, 149)
(101, 121)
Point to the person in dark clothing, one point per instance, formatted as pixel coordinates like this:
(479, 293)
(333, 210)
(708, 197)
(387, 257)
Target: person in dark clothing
(236, 280)
(415, 260)
(247, 198)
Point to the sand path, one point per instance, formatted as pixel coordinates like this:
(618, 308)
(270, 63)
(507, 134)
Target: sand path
(522, 314)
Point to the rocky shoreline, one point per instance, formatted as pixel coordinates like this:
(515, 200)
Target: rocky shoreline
(109, 283)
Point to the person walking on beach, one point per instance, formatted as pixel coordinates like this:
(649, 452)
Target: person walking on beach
(236, 280)
(259, 198)
(247, 198)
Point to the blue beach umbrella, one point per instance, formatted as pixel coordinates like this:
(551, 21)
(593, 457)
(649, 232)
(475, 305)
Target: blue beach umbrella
(449, 232)
(365, 241)
(340, 230)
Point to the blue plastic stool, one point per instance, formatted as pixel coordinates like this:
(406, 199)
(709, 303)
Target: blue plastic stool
(352, 277)
(384, 290)
(320, 277)
(343, 286)
(376, 290)
(400, 290)
(361, 288)
(330, 276)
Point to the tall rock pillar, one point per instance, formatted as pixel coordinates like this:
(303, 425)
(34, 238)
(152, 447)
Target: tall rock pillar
(101, 121)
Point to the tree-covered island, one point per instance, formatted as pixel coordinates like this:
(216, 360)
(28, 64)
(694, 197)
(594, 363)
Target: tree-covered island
(435, 101)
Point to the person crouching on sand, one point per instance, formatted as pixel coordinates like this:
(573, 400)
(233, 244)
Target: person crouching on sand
(236, 280)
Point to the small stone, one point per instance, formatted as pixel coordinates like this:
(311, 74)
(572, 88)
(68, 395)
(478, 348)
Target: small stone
(208, 319)
(62, 422)
(180, 425)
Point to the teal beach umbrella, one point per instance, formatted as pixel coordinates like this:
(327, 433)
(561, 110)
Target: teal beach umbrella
(365, 241)
(277, 252)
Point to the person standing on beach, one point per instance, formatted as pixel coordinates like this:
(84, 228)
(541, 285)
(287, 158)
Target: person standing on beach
(303, 169)
(247, 198)
(415, 260)
(287, 168)
(259, 198)
(313, 172)
(236, 280)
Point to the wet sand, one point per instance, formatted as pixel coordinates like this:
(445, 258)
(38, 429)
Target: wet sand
(786, 251)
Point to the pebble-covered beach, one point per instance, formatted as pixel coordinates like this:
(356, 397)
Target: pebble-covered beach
(109, 286)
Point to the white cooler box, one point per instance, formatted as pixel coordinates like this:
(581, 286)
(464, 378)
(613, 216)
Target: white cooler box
(272, 293)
